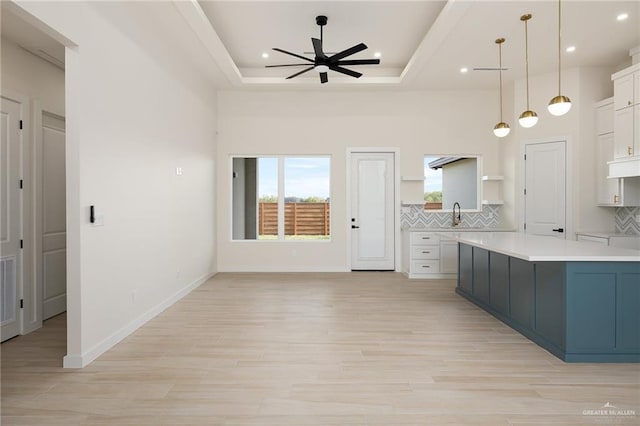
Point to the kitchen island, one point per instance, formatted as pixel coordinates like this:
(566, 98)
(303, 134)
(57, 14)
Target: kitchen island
(580, 301)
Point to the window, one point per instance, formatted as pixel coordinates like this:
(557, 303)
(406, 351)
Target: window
(281, 198)
(451, 179)
(432, 185)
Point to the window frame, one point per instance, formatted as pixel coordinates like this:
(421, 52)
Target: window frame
(281, 237)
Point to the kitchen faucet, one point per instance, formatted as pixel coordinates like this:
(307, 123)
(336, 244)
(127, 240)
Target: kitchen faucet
(456, 219)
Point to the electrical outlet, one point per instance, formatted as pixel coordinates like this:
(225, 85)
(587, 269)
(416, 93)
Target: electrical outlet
(178, 171)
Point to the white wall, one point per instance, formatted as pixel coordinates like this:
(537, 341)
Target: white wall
(136, 109)
(327, 123)
(584, 86)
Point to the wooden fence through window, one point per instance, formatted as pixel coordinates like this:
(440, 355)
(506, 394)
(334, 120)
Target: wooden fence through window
(299, 219)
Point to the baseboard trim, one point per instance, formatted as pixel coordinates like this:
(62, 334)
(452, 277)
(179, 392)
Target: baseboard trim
(81, 361)
(284, 269)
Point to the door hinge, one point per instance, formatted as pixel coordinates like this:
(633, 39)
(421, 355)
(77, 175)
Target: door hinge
(525, 157)
(20, 124)
(20, 183)
(525, 226)
(21, 303)
(525, 191)
(21, 243)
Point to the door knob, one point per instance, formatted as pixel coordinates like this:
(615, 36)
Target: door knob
(355, 227)
(558, 230)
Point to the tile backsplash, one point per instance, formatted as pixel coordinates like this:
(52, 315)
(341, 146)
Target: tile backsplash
(626, 222)
(417, 217)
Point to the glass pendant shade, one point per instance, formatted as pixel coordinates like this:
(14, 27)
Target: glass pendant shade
(528, 119)
(501, 129)
(560, 105)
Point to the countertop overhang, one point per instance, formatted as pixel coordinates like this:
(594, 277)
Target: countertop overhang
(544, 249)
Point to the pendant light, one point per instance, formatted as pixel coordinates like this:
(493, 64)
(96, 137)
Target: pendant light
(559, 105)
(501, 129)
(528, 118)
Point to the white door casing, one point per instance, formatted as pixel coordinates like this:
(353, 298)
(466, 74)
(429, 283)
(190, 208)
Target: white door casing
(10, 219)
(372, 211)
(52, 215)
(545, 189)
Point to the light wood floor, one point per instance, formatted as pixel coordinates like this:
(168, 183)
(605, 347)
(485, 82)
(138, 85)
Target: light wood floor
(321, 349)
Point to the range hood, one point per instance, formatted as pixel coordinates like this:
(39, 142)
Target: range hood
(625, 167)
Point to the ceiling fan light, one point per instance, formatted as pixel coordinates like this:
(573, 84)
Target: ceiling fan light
(321, 68)
(501, 129)
(528, 119)
(560, 105)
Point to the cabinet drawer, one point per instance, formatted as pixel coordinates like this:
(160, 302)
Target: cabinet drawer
(425, 252)
(424, 238)
(425, 266)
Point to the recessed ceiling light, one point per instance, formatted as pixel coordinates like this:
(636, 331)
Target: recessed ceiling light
(570, 49)
(464, 70)
(265, 55)
(622, 16)
(377, 55)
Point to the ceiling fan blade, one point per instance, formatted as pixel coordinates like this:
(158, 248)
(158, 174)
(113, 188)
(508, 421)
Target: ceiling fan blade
(301, 72)
(350, 51)
(317, 47)
(345, 71)
(293, 54)
(286, 65)
(323, 77)
(359, 62)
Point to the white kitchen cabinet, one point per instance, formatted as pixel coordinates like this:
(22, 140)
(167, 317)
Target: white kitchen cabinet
(604, 116)
(612, 192)
(429, 256)
(623, 89)
(624, 131)
(608, 189)
(626, 87)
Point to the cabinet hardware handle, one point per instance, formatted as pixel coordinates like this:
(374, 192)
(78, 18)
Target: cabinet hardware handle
(629, 150)
(558, 230)
(426, 238)
(426, 266)
(426, 252)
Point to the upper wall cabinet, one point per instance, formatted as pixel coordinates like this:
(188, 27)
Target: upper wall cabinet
(626, 87)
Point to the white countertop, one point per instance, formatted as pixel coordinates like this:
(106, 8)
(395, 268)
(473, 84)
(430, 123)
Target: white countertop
(549, 249)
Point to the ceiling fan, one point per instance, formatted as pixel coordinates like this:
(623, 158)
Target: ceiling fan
(323, 63)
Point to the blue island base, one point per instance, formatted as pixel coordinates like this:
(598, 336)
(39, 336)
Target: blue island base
(578, 311)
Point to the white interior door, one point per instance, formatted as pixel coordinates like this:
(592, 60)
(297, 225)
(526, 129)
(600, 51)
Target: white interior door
(10, 221)
(53, 257)
(545, 189)
(372, 221)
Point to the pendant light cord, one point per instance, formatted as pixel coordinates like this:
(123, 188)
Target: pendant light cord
(526, 58)
(500, 56)
(559, 47)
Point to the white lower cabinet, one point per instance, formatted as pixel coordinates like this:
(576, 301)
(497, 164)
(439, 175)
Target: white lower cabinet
(427, 255)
